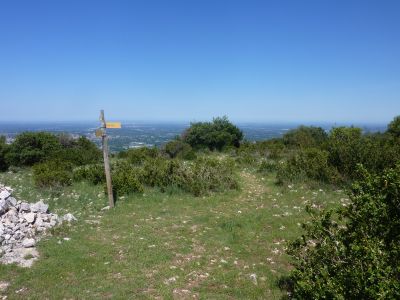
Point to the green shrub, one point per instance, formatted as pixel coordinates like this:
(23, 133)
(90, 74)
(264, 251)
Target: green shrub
(345, 149)
(305, 137)
(32, 147)
(267, 166)
(52, 173)
(160, 172)
(215, 135)
(275, 148)
(4, 148)
(394, 127)
(92, 173)
(199, 177)
(139, 155)
(179, 149)
(309, 163)
(126, 179)
(352, 252)
(208, 175)
(79, 151)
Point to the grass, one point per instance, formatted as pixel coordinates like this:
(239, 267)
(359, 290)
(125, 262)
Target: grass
(165, 245)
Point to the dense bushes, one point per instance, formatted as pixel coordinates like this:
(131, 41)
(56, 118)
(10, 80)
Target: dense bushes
(126, 179)
(32, 147)
(215, 135)
(394, 127)
(305, 136)
(139, 155)
(354, 252)
(79, 151)
(179, 149)
(199, 177)
(309, 163)
(52, 156)
(344, 148)
(91, 173)
(53, 173)
(3, 154)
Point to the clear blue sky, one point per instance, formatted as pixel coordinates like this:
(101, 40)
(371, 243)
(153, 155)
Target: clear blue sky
(191, 60)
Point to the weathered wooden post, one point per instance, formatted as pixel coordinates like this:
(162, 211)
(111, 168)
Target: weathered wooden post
(107, 170)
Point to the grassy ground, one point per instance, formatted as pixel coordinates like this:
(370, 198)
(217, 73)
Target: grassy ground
(165, 245)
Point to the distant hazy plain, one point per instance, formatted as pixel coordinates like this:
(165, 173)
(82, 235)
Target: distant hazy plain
(136, 134)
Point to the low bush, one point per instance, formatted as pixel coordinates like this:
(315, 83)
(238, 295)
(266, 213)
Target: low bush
(268, 166)
(209, 175)
(394, 127)
(199, 177)
(138, 156)
(352, 252)
(305, 137)
(179, 149)
(126, 179)
(215, 135)
(79, 151)
(91, 173)
(309, 163)
(52, 173)
(345, 149)
(32, 147)
(4, 148)
(160, 172)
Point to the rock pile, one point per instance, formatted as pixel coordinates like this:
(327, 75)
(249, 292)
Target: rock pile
(21, 226)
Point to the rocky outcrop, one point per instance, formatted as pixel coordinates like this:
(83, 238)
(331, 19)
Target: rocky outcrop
(22, 224)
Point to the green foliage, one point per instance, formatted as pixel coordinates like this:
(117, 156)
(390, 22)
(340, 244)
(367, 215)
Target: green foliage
(199, 177)
(267, 166)
(92, 173)
(52, 173)
(79, 151)
(160, 172)
(32, 147)
(345, 149)
(305, 137)
(179, 149)
(394, 127)
(3, 153)
(138, 156)
(215, 135)
(353, 252)
(309, 163)
(208, 174)
(125, 179)
(254, 153)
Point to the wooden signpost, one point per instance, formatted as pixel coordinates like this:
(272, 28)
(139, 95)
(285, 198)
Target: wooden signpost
(103, 134)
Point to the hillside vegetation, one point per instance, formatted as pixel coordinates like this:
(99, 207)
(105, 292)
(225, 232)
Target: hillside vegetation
(311, 215)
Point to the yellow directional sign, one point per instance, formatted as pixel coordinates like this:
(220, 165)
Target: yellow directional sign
(113, 125)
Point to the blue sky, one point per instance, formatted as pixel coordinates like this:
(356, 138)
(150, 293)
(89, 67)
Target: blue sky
(261, 61)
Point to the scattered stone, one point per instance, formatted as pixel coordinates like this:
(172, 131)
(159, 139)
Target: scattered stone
(4, 193)
(69, 217)
(3, 286)
(253, 278)
(30, 217)
(39, 207)
(106, 207)
(27, 243)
